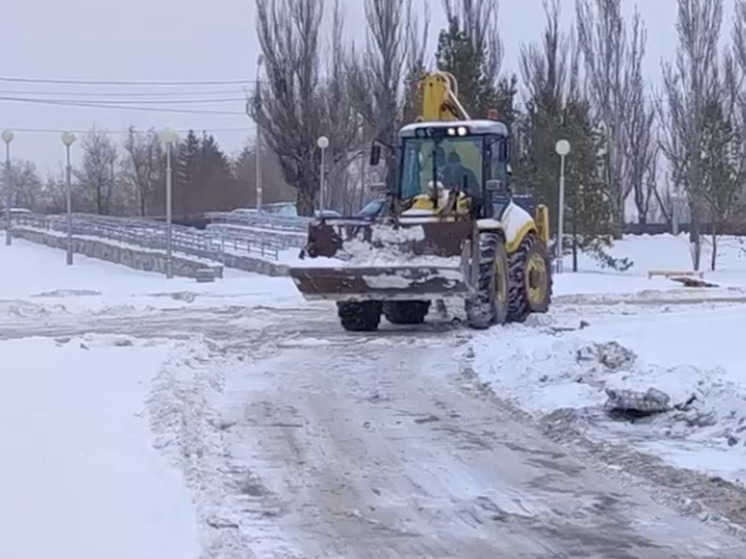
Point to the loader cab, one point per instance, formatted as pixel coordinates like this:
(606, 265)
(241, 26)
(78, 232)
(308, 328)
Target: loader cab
(469, 156)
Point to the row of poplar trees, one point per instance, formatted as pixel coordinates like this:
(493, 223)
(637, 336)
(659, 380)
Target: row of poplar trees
(632, 149)
(359, 94)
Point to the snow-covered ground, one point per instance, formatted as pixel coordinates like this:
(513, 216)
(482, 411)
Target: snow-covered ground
(84, 473)
(79, 475)
(145, 417)
(658, 337)
(39, 276)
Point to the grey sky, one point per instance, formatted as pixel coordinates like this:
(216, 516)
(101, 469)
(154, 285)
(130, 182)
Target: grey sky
(170, 40)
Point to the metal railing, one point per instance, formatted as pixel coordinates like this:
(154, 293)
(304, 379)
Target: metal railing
(212, 244)
(263, 220)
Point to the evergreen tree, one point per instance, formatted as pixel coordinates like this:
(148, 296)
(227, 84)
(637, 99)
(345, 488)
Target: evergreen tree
(216, 188)
(244, 174)
(557, 109)
(590, 212)
(186, 173)
(458, 54)
(721, 179)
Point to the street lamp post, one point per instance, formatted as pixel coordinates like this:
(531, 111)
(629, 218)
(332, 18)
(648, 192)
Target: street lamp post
(258, 146)
(68, 138)
(562, 147)
(169, 138)
(7, 136)
(323, 143)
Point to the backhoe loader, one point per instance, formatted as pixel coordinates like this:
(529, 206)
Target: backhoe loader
(450, 229)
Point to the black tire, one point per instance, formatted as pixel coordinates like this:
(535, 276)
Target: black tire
(490, 305)
(406, 312)
(520, 305)
(360, 317)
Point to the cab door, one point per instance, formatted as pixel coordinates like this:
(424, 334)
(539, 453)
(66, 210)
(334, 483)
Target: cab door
(496, 175)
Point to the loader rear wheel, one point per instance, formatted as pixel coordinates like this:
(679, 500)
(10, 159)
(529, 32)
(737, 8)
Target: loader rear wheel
(360, 317)
(406, 312)
(530, 279)
(490, 304)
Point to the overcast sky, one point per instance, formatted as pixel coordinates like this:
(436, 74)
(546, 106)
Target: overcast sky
(189, 40)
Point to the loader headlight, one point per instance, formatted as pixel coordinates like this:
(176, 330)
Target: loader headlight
(459, 131)
(441, 131)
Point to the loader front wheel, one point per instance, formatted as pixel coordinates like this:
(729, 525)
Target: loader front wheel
(490, 304)
(364, 316)
(530, 279)
(406, 312)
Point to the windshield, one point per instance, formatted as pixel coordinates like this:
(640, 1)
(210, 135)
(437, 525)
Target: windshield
(456, 162)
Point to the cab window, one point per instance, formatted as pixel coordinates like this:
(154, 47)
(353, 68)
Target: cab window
(497, 154)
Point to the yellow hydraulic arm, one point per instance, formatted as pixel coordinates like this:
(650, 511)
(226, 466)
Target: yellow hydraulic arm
(439, 98)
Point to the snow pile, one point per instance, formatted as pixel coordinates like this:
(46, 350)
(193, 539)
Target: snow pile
(387, 246)
(393, 235)
(702, 424)
(183, 414)
(636, 402)
(390, 246)
(611, 355)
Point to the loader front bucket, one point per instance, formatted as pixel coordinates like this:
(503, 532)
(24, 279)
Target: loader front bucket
(380, 283)
(359, 261)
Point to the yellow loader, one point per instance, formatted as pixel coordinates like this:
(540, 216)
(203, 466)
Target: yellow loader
(451, 229)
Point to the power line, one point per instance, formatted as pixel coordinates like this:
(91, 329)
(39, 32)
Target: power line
(126, 83)
(126, 102)
(123, 107)
(126, 94)
(119, 131)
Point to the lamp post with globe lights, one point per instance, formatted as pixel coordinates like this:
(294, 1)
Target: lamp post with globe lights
(323, 143)
(7, 137)
(562, 147)
(258, 146)
(169, 138)
(68, 139)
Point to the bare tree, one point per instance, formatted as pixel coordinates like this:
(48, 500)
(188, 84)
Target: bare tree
(416, 65)
(602, 38)
(97, 173)
(342, 122)
(641, 149)
(289, 107)
(26, 185)
(143, 165)
(479, 19)
(544, 69)
(687, 84)
(735, 76)
(377, 77)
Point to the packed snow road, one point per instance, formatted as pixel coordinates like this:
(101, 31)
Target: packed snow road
(299, 440)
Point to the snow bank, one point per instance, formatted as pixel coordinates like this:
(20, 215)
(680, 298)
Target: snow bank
(79, 477)
(183, 406)
(682, 354)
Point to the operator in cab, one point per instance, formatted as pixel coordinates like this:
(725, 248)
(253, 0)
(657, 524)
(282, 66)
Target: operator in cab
(458, 176)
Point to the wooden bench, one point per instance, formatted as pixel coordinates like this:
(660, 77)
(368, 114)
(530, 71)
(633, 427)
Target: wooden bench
(669, 273)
